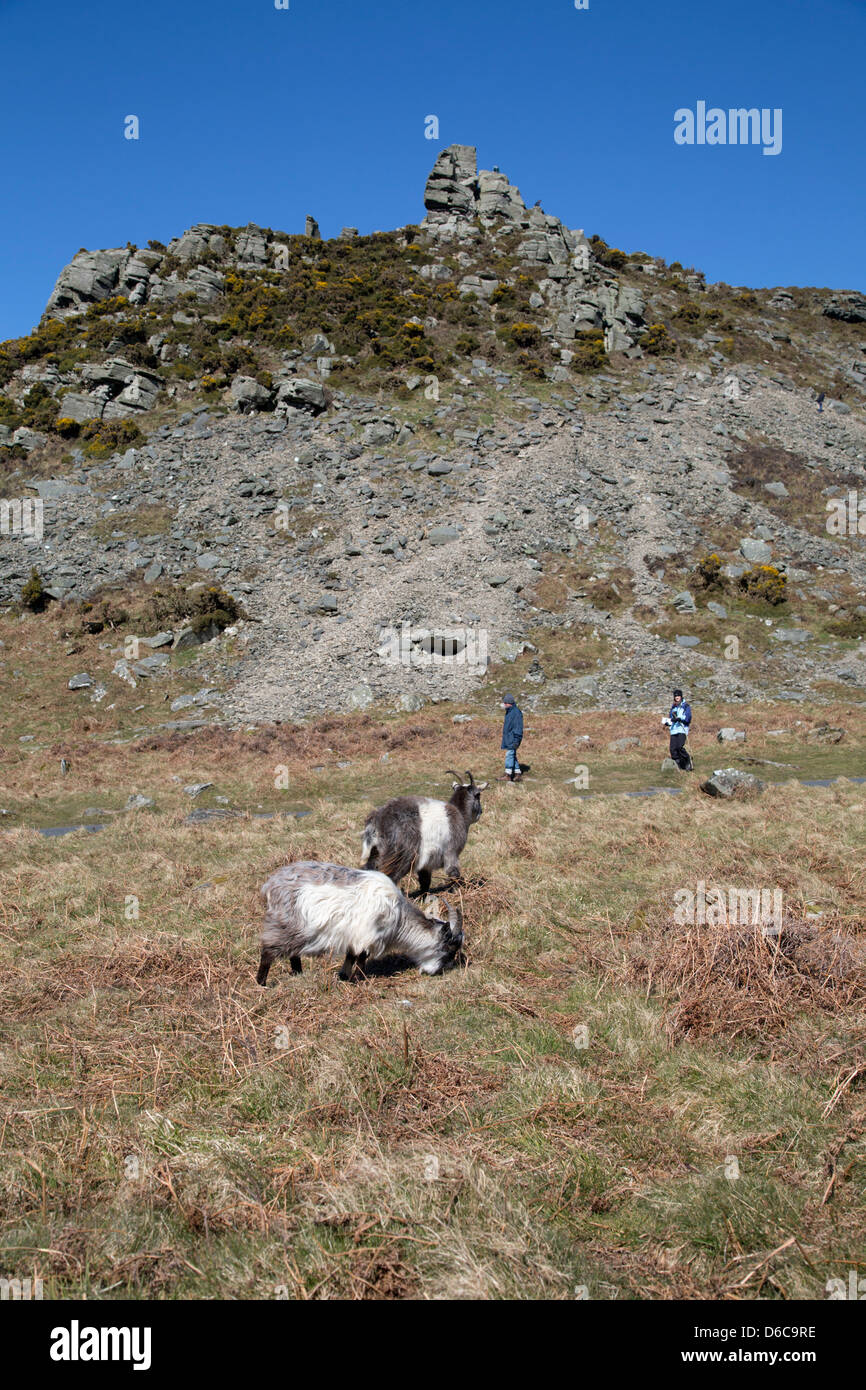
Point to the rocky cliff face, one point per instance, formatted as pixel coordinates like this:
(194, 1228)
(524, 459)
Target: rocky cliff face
(576, 293)
(488, 426)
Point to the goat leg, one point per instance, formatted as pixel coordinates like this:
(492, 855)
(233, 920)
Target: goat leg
(345, 972)
(295, 963)
(264, 966)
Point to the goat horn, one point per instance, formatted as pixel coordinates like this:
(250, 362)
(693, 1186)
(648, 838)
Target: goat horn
(455, 925)
(454, 774)
(471, 782)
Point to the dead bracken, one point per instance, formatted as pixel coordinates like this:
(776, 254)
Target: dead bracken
(736, 980)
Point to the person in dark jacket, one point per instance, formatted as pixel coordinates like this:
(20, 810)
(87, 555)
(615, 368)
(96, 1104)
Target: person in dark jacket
(512, 736)
(679, 719)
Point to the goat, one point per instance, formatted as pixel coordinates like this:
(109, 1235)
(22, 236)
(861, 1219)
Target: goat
(315, 908)
(417, 832)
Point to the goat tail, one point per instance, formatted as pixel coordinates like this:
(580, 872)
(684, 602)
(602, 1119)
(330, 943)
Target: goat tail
(396, 862)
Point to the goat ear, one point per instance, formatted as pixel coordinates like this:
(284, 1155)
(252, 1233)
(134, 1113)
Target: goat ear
(480, 786)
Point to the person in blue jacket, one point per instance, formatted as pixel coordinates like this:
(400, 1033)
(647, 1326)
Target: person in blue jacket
(512, 736)
(679, 719)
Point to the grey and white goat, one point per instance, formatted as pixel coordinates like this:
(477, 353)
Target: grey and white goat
(314, 909)
(420, 833)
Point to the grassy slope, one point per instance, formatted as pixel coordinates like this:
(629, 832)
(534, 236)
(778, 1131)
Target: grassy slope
(171, 1130)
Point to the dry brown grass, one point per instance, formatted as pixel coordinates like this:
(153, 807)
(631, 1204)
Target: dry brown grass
(285, 1137)
(740, 981)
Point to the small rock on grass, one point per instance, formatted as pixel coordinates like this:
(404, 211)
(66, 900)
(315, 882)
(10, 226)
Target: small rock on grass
(196, 788)
(730, 783)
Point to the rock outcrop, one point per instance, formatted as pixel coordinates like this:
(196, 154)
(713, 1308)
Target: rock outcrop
(578, 293)
(850, 308)
(112, 390)
(92, 276)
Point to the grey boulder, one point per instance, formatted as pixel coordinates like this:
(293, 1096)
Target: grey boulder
(248, 395)
(730, 783)
(824, 733)
(360, 697)
(302, 394)
(684, 602)
(850, 308)
(757, 552)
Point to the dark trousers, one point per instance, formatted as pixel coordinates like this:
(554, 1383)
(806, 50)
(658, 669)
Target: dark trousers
(678, 751)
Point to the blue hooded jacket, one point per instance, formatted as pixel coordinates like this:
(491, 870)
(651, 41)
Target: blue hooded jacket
(680, 717)
(512, 728)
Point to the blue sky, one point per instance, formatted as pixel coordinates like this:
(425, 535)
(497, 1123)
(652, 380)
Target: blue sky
(253, 114)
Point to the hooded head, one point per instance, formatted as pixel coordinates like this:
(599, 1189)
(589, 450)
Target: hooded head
(678, 694)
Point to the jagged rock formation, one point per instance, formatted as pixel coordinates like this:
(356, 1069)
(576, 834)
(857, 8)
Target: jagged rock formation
(850, 308)
(116, 390)
(578, 294)
(95, 275)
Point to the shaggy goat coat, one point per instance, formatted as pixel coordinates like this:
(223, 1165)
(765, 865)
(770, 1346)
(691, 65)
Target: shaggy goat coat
(421, 833)
(316, 909)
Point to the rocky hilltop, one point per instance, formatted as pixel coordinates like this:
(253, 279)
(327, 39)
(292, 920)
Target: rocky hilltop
(485, 433)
